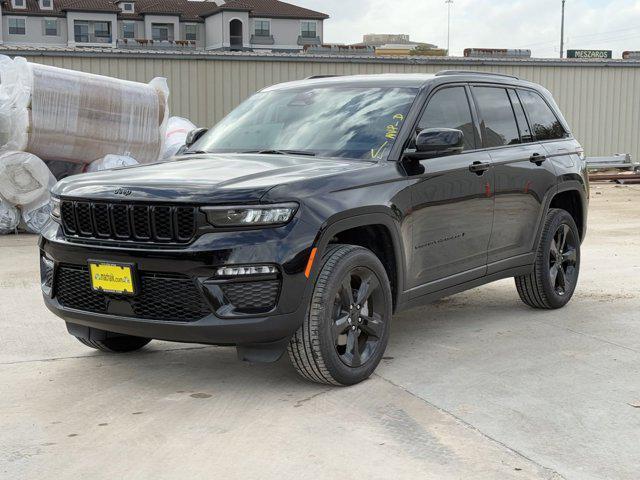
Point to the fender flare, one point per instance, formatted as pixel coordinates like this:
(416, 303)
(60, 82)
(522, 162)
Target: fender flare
(567, 186)
(363, 217)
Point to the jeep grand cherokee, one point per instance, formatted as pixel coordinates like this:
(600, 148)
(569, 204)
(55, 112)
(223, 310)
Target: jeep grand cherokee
(317, 209)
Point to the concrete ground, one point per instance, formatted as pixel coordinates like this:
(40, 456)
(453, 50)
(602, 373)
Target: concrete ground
(476, 386)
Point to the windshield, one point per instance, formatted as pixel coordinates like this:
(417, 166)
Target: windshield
(347, 122)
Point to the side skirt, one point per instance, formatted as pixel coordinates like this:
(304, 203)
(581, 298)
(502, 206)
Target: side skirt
(429, 297)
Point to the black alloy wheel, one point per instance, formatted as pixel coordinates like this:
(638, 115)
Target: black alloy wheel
(554, 275)
(357, 321)
(563, 255)
(345, 332)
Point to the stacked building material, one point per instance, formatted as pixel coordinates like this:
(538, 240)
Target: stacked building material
(67, 118)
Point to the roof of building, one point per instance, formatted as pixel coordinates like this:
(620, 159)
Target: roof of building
(442, 62)
(273, 9)
(187, 10)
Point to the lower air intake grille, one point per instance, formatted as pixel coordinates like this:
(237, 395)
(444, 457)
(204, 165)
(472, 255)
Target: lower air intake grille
(161, 296)
(252, 296)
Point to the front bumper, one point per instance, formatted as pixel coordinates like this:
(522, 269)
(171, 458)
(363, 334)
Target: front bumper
(222, 323)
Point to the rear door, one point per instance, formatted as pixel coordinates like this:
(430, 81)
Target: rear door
(452, 211)
(520, 184)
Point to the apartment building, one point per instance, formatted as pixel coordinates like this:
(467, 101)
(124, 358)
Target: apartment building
(176, 24)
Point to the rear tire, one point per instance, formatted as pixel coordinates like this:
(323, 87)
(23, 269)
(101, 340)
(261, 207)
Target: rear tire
(346, 330)
(119, 344)
(553, 280)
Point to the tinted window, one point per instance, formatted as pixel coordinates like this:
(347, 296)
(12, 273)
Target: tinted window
(497, 116)
(449, 108)
(523, 125)
(544, 123)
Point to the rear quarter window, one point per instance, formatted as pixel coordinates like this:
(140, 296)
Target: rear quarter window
(544, 123)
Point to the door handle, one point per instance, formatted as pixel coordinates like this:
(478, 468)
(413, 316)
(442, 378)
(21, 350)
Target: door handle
(479, 167)
(537, 158)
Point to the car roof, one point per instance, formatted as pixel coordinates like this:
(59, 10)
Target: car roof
(406, 80)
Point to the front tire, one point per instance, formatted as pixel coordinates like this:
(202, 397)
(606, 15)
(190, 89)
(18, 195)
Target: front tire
(116, 344)
(553, 280)
(346, 330)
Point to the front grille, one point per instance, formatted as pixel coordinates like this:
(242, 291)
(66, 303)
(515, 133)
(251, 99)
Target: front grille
(162, 297)
(139, 223)
(252, 296)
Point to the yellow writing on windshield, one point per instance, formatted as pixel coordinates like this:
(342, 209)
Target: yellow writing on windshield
(391, 132)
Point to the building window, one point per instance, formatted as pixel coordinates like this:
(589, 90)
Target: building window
(81, 32)
(46, 5)
(129, 30)
(262, 28)
(18, 3)
(87, 31)
(17, 26)
(190, 32)
(127, 7)
(159, 32)
(309, 29)
(102, 29)
(50, 27)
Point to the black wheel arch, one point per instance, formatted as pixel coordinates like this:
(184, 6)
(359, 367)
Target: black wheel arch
(382, 219)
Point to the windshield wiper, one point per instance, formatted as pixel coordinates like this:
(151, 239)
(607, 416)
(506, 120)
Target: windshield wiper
(193, 152)
(282, 152)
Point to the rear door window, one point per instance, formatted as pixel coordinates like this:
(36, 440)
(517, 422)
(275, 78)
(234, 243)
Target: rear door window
(544, 123)
(498, 122)
(449, 108)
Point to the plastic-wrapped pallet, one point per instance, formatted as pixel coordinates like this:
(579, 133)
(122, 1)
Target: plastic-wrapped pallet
(109, 162)
(60, 114)
(34, 218)
(9, 218)
(177, 130)
(24, 179)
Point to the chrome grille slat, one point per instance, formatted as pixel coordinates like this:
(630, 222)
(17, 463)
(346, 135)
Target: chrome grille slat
(128, 222)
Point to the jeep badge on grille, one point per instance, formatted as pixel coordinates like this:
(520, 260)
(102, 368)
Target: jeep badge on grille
(123, 191)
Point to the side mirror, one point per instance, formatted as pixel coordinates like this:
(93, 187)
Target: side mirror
(194, 135)
(437, 142)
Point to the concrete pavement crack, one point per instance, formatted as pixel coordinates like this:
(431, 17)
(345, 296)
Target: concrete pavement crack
(553, 474)
(55, 359)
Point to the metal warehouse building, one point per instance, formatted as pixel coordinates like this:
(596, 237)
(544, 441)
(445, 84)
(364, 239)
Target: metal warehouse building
(600, 98)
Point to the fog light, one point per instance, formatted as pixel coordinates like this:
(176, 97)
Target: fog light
(246, 270)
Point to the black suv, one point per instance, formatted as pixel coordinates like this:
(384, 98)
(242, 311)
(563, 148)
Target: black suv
(317, 209)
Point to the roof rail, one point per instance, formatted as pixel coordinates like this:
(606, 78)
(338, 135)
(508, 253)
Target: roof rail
(473, 72)
(321, 76)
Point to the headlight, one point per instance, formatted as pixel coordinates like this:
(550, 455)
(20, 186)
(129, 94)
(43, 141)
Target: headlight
(55, 208)
(254, 215)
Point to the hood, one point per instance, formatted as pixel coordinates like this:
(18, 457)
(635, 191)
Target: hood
(206, 178)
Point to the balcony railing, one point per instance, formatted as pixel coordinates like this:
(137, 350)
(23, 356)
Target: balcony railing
(156, 44)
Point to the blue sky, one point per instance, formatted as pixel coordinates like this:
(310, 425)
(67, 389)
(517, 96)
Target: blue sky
(611, 25)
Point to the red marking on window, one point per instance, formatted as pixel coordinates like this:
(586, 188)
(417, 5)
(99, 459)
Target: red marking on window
(527, 186)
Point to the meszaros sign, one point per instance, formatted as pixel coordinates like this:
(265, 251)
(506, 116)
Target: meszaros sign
(589, 54)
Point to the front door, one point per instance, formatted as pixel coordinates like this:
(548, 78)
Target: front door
(452, 204)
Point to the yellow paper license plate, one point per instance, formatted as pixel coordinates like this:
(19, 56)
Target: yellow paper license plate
(112, 278)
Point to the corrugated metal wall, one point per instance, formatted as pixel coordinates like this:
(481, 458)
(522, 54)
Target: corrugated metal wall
(601, 103)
